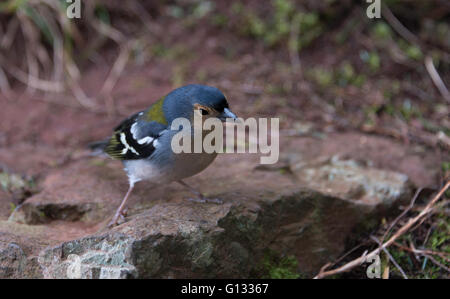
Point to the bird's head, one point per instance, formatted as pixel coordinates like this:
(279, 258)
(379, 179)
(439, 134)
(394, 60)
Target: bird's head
(205, 100)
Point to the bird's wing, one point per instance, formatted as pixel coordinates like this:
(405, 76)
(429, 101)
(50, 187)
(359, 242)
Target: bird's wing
(134, 138)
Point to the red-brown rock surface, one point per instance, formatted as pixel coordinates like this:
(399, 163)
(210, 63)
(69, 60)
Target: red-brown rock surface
(308, 214)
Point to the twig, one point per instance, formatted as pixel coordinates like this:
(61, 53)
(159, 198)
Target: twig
(437, 263)
(411, 38)
(109, 31)
(34, 82)
(7, 40)
(344, 255)
(411, 205)
(398, 27)
(390, 257)
(356, 262)
(146, 18)
(116, 70)
(442, 255)
(113, 77)
(428, 234)
(33, 68)
(5, 87)
(29, 34)
(119, 64)
(411, 245)
(293, 49)
(437, 80)
(425, 138)
(73, 79)
(58, 47)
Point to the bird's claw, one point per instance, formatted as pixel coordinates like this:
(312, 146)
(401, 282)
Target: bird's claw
(207, 200)
(118, 218)
(112, 223)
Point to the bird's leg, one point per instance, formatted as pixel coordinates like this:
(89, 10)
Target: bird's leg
(192, 189)
(121, 207)
(200, 197)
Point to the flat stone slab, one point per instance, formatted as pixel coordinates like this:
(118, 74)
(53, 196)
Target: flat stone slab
(304, 210)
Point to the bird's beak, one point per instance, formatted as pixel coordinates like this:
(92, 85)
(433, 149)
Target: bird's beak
(227, 114)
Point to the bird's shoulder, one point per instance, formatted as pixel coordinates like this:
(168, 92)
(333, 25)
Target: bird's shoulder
(136, 137)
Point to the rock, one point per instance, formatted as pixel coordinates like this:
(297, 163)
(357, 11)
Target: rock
(17, 186)
(348, 180)
(18, 257)
(306, 211)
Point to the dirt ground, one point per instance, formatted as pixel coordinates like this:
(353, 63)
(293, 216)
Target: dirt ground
(43, 130)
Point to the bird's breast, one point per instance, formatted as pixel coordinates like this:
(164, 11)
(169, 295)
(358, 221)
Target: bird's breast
(189, 164)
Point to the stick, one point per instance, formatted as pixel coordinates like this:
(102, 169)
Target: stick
(411, 38)
(116, 70)
(424, 252)
(437, 263)
(11, 29)
(398, 27)
(293, 48)
(34, 82)
(5, 87)
(402, 214)
(356, 262)
(390, 257)
(73, 82)
(437, 80)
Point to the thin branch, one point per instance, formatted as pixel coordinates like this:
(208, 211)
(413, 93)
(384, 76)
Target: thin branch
(424, 252)
(328, 265)
(437, 80)
(412, 39)
(356, 262)
(391, 258)
(7, 40)
(425, 138)
(116, 70)
(73, 79)
(30, 35)
(34, 82)
(5, 87)
(293, 49)
(411, 205)
(398, 27)
(113, 77)
(434, 261)
(109, 31)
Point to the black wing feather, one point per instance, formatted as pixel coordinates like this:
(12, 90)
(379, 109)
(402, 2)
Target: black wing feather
(124, 144)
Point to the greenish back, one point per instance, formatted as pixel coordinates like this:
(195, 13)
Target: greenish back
(156, 113)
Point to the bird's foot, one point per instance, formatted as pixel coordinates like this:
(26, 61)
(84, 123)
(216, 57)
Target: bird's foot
(118, 218)
(207, 200)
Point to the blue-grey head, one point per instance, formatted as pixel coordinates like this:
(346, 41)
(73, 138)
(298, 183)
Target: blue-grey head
(206, 100)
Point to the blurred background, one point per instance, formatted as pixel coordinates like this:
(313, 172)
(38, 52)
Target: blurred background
(322, 67)
(319, 61)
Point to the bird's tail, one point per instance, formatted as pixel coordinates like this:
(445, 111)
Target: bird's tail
(98, 147)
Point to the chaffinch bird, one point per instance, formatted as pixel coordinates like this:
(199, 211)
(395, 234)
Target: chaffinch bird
(143, 140)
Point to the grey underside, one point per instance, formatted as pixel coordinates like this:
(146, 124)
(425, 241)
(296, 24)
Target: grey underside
(163, 166)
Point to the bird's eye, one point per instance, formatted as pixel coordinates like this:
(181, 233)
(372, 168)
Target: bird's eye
(204, 112)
